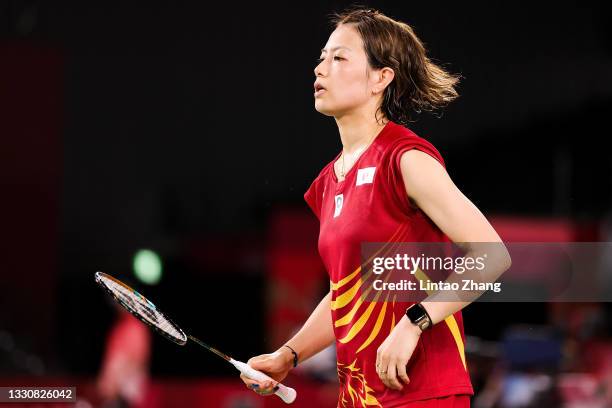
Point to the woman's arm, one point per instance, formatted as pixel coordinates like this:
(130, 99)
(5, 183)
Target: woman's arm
(429, 186)
(315, 335)
(432, 190)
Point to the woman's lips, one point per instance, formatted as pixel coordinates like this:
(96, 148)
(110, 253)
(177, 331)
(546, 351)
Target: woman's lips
(318, 88)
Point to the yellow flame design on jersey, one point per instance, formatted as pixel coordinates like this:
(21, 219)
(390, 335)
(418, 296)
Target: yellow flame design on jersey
(353, 293)
(450, 321)
(345, 298)
(354, 389)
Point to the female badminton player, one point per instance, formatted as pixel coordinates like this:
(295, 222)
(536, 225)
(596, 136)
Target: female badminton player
(387, 183)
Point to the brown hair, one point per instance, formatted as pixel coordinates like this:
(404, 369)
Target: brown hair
(419, 84)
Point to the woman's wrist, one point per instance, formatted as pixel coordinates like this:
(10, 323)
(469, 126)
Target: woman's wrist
(409, 326)
(293, 353)
(287, 355)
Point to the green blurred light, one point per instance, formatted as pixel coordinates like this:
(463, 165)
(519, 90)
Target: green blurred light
(147, 266)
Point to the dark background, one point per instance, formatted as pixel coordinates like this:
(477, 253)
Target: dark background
(185, 127)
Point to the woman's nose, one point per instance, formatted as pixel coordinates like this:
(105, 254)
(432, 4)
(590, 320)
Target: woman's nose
(319, 69)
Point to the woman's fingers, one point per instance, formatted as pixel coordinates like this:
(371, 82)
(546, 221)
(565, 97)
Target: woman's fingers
(249, 382)
(260, 387)
(391, 370)
(266, 391)
(261, 363)
(401, 373)
(382, 361)
(390, 377)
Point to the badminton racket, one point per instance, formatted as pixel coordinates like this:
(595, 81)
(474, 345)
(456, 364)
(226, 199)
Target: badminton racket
(146, 312)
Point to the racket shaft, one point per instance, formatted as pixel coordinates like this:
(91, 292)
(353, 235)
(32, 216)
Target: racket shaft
(287, 394)
(209, 348)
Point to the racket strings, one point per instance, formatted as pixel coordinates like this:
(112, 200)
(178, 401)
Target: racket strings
(144, 309)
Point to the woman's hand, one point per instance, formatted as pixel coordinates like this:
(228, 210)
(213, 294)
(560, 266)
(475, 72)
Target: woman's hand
(275, 365)
(394, 353)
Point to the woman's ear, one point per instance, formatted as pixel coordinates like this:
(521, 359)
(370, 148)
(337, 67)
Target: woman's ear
(384, 78)
(387, 75)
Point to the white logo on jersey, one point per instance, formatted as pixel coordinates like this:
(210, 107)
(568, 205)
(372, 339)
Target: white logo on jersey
(365, 175)
(339, 200)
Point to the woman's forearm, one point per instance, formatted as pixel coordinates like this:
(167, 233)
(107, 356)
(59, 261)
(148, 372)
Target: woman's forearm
(440, 305)
(316, 334)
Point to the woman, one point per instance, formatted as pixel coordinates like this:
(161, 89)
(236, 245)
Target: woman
(387, 185)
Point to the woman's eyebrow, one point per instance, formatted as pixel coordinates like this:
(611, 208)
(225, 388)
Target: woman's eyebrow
(336, 48)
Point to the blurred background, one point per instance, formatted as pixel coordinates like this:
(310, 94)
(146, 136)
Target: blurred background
(170, 144)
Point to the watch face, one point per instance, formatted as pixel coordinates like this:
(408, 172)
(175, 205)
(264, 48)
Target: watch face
(415, 313)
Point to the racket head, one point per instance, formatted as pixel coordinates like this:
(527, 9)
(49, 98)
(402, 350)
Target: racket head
(141, 307)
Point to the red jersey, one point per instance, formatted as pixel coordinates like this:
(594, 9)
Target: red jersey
(371, 205)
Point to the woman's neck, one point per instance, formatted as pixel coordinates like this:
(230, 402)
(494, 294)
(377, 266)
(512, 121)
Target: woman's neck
(356, 131)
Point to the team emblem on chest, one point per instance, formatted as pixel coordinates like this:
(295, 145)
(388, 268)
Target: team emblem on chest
(365, 176)
(339, 200)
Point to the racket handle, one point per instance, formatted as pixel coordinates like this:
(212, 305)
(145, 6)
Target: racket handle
(287, 394)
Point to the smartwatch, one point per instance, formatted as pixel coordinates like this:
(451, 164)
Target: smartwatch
(419, 316)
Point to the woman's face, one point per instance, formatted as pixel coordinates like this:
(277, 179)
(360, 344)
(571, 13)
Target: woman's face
(343, 73)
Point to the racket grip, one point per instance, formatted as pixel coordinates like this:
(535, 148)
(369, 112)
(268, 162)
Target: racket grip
(287, 394)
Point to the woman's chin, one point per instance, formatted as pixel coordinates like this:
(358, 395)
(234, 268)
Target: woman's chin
(321, 108)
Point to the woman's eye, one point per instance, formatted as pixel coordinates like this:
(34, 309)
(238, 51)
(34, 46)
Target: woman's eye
(336, 58)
